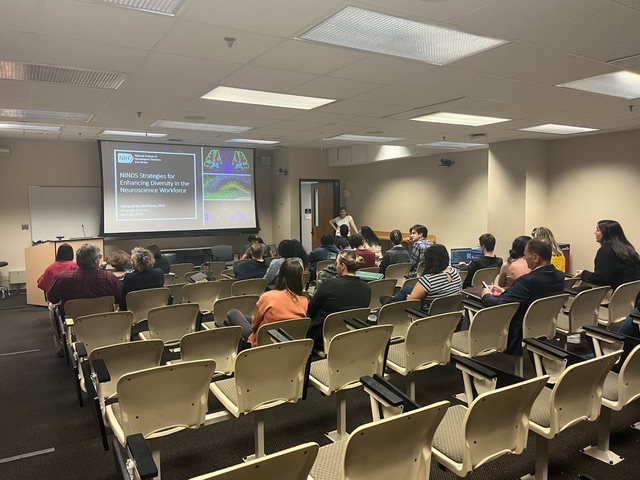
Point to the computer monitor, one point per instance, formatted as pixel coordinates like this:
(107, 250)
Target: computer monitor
(460, 255)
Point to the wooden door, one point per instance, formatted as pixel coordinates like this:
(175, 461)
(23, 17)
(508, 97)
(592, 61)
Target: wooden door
(322, 210)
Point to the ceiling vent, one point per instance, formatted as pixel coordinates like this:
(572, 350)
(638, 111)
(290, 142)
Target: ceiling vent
(78, 77)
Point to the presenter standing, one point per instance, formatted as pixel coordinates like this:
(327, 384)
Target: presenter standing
(343, 219)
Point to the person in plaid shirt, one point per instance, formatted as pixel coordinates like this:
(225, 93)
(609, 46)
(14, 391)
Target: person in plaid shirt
(418, 236)
(88, 281)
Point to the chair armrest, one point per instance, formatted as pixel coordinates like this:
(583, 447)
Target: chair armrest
(141, 455)
(473, 304)
(475, 367)
(279, 335)
(416, 312)
(546, 348)
(86, 372)
(81, 349)
(387, 392)
(355, 323)
(576, 290)
(635, 316)
(603, 333)
(101, 371)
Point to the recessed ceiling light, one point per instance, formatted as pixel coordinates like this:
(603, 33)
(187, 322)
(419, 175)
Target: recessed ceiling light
(44, 115)
(459, 119)
(165, 7)
(362, 29)
(30, 126)
(558, 129)
(270, 99)
(204, 127)
(363, 138)
(452, 145)
(248, 140)
(79, 77)
(618, 84)
(123, 133)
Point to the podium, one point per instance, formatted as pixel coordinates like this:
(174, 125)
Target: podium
(38, 257)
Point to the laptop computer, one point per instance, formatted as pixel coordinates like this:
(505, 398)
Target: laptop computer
(460, 255)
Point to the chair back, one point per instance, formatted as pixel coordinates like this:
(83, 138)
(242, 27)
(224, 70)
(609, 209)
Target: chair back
(124, 358)
(163, 400)
(398, 271)
(101, 329)
(220, 344)
(306, 275)
(497, 422)
(222, 253)
(251, 286)
(420, 269)
(621, 303)
(379, 288)
(334, 323)
(225, 292)
(245, 303)
(79, 307)
(585, 307)
(577, 393)
(185, 278)
(541, 317)
(205, 294)
(489, 329)
(171, 322)
(397, 447)
(370, 269)
(428, 340)
(238, 262)
(569, 282)
(179, 269)
(410, 282)
(357, 353)
(216, 269)
(272, 374)
(169, 279)
(629, 378)
(446, 304)
(291, 464)
(394, 314)
(487, 275)
(141, 301)
(176, 292)
(322, 264)
(296, 327)
(228, 272)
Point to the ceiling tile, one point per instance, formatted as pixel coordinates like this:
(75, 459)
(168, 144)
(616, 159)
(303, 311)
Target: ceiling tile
(330, 87)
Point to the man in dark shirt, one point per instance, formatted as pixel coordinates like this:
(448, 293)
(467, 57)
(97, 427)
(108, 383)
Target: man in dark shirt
(256, 267)
(326, 251)
(544, 280)
(487, 244)
(396, 254)
(88, 281)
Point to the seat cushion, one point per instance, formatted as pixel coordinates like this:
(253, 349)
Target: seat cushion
(328, 465)
(541, 411)
(460, 341)
(320, 371)
(397, 354)
(449, 437)
(610, 391)
(228, 388)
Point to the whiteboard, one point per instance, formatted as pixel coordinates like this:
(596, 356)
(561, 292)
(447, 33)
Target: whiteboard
(61, 211)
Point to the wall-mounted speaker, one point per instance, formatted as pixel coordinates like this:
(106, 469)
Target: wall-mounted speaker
(265, 161)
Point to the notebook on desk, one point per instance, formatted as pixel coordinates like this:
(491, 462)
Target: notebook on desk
(369, 276)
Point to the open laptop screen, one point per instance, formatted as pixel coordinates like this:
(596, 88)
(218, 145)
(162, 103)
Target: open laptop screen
(460, 255)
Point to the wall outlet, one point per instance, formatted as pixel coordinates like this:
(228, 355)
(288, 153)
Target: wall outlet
(25, 226)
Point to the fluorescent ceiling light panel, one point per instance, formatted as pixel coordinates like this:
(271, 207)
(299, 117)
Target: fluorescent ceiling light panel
(203, 127)
(78, 77)
(256, 142)
(44, 115)
(362, 29)
(558, 129)
(30, 127)
(269, 99)
(618, 84)
(123, 133)
(452, 145)
(459, 119)
(166, 7)
(364, 138)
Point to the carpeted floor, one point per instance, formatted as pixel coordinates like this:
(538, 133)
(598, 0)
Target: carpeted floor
(40, 412)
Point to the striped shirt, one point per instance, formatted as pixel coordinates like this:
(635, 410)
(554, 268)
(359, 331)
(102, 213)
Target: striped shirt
(441, 284)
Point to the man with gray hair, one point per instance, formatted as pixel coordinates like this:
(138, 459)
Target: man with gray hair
(88, 281)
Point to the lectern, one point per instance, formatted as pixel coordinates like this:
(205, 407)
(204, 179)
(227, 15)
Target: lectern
(39, 257)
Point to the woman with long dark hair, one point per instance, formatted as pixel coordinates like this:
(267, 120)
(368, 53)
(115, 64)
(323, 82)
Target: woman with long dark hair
(439, 279)
(372, 242)
(285, 302)
(286, 249)
(516, 265)
(616, 262)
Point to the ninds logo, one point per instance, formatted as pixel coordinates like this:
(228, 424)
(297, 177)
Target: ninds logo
(125, 158)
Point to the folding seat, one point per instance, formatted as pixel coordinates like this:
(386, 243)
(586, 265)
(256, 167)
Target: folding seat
(205, 294)
(171, 322)
(487, 275)
(334, 324)
(380, 288)
(396, 315)
(583, 311)
(180, 269)
(398, 271)
(245, 303)
(622, 301)
(251, 286)
(296, 328)
(141, 301)
(220, 344)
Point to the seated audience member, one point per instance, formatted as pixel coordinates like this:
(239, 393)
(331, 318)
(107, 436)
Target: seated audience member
(286, 249)
(331, 271)
(516, 265)
(120, 261)
(326, 251)
(343, 220)
(543, 281)
(337, 294)
(357, 241)
(161, 262)
(285, 302)
(439, 278)
(628, 326)
(343, 231)
(144, 274)
(396, 254)
(418, 237)
(372, 242)
(256, 267)
(557, 257)
(266, 250)
(88, 281)
(64, 262)
(488, 259)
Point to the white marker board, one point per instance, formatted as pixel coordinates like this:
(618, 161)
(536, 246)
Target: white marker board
(61, 211)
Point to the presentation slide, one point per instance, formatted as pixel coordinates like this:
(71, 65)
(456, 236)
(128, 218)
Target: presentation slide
(154, 188)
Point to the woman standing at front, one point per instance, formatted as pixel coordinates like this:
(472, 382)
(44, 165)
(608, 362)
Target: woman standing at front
(337, 294)
(343, 219)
